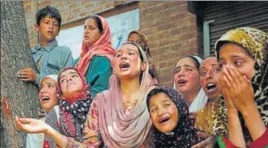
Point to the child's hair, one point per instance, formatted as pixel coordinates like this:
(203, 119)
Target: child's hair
(49, 11)
(98, 22)
(154, 92)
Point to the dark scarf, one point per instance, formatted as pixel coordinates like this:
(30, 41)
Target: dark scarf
(184, 135)
(72, 117)
(72, 114)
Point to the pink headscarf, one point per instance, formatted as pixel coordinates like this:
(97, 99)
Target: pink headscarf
(101, 47)
(118, 129)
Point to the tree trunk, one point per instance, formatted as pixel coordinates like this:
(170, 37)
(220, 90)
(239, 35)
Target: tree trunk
(15, 55)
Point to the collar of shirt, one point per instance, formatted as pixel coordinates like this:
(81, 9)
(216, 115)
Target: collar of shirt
(49, 46)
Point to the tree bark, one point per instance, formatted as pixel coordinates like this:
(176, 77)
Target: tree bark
(15, 55)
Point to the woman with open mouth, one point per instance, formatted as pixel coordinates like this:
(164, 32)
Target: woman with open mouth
(169, 113)
(118, 117)
(74, 101)
(187, 82)
(210, 72)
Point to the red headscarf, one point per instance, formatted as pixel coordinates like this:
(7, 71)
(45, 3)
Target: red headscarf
(101, 47)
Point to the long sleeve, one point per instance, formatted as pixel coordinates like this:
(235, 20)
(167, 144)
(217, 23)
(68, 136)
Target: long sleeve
(98, 74)
(66, 58)
(91, 132)
(261, 142)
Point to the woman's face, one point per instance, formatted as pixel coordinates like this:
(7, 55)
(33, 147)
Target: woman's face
(128, 63)
(186, 76)
(91, 32)
(135, 38)
(71, 83)
(164, 112)
(210, 72)
(48, 93)
(234, 56)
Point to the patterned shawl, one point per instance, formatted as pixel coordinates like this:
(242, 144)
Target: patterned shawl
(256, 43)
(101, 47)
(118, 129)
(72, 114)
(184, 135)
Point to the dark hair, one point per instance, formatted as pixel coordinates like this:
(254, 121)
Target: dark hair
(154, 92)
(220, 43)
(139, 49)
(144, 42)
(141, 57)
(49, 11)
(210, 56)
(98, 22)
(196, 63)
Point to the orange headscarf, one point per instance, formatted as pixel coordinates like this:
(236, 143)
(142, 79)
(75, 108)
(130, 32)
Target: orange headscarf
(101, 47)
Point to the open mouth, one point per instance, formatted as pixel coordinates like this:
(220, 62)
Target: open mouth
(49, 32)
(182, 82)
(124, 66)
(45, 98)
(211, 87)
(164, 120)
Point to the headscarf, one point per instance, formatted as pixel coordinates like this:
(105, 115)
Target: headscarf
(255, 42)
(145, 46)
(37, 139)
(72, 114)
(184, 134)
(52, 76)
(118, 129)
(201, 99)
(101, 47)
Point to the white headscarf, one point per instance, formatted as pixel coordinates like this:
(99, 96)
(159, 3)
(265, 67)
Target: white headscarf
(52, 76)
(201, 99)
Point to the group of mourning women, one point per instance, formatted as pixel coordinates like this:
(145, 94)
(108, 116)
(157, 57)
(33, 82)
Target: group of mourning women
(112, 98)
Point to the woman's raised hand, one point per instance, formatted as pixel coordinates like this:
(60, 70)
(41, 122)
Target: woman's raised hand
(239, 88)
(31, 125)
(225, 87)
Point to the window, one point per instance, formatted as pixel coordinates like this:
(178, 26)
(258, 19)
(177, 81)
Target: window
(120, 25)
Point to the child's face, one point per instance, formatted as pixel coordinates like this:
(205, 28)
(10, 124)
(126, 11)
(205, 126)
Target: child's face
(164, 112)
(48, 28)
(48, 94)
(71, 83)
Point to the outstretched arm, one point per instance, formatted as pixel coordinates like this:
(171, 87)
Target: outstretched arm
(91, 133)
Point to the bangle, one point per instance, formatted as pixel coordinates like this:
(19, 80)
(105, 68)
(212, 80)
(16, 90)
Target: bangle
(220, 142)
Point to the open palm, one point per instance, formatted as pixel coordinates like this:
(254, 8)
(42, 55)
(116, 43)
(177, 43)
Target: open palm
(31, 125)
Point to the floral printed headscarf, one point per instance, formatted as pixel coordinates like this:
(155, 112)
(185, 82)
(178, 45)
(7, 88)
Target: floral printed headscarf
(72, 113)
(255, 42)
(184, 135)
